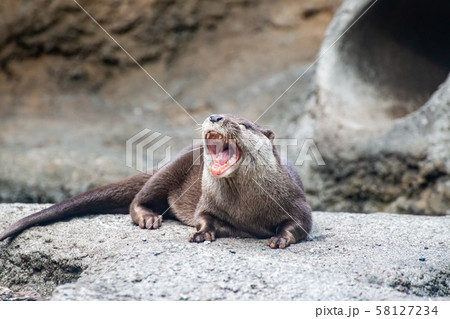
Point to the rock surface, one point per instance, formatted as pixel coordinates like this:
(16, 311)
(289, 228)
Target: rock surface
(347, 257)
(7, 294)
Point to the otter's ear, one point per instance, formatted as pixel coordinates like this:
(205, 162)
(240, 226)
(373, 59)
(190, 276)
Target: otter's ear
(269, 134)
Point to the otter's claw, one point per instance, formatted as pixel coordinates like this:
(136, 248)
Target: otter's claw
(202, 236)
(150, 221)
(278, 242)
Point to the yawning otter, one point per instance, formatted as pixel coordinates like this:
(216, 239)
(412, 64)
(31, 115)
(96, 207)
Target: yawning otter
(234, 184)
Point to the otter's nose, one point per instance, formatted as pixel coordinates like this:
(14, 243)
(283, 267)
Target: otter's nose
(215, 118)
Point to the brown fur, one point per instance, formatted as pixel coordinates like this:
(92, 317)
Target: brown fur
(260, 198)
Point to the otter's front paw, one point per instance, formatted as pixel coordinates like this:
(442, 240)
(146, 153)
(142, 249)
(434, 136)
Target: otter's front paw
(145, 218)
(279, 242)
(150, 220)
(202, 236)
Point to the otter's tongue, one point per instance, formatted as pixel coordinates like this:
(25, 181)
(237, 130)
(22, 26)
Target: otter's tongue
(224, 152)
(222, 157)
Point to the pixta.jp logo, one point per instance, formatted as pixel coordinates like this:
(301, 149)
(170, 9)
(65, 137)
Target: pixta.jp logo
(143, 151)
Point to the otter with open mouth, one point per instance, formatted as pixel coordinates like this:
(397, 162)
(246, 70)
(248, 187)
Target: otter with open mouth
(224, 152)
(232, 185)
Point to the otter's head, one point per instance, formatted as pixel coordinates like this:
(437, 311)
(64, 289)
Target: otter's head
(233, 143)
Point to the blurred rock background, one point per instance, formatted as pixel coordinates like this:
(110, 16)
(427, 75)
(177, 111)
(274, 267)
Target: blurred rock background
(70, 97)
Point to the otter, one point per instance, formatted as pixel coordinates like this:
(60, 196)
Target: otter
(232, 185)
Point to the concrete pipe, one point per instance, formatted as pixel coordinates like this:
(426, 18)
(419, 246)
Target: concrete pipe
(383, 108)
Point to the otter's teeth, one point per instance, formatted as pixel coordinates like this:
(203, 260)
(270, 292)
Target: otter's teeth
(231, 159)
(220, 137)
(207, 135)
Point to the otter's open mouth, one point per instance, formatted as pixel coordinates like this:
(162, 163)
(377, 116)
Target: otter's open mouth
(224, 151)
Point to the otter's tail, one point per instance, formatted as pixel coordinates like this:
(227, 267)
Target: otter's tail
(113, 198)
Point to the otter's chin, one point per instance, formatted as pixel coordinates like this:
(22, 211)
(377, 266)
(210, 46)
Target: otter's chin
(225, 153)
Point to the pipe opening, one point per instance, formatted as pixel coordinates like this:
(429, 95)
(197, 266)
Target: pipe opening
(401, 49)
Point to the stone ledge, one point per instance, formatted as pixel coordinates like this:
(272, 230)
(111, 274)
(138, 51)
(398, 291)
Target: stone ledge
(348, 257)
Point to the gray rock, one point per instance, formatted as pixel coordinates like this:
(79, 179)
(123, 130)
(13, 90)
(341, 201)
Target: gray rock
(9, 295)
(347, 257)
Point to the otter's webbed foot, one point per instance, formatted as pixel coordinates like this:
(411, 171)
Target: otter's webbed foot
(288, 233)
(201, 236)
(210, 227)
(206, 228)
(145, 217)
(280, 241)
(150, 221)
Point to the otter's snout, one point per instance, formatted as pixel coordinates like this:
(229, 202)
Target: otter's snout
(216, 118)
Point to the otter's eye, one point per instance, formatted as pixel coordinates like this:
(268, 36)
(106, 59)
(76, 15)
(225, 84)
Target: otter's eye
(247, 126)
